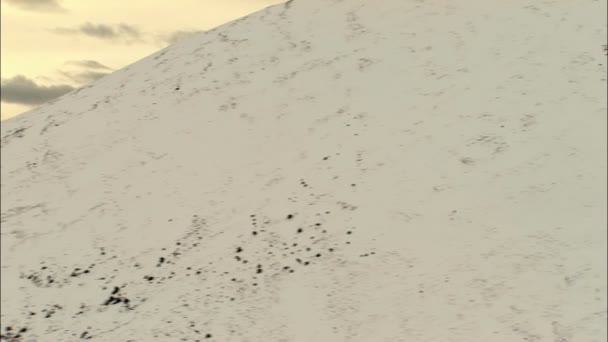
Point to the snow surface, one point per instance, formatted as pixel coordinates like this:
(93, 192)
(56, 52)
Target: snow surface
(324, 171)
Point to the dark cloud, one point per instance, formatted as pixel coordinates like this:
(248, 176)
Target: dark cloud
(103, 31)
(85, 76)
(37, 5)
(22, 90)
(90, 64)
(176, 36)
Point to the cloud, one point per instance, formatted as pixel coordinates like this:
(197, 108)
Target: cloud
(22, 90)
(44, 79)
(37, 5)
(181, 35)
(85, 76)
(176, 36)
(85, 63)
(103, 31)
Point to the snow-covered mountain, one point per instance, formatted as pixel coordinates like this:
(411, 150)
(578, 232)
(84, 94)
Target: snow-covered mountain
(326, 171)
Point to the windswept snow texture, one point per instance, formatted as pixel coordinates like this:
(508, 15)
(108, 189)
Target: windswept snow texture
(322, 170)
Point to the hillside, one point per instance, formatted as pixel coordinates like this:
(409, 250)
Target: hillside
(322, 170)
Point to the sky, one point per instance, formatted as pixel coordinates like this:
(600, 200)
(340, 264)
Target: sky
(50, 47)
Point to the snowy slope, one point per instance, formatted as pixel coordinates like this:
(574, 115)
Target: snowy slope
(322, 170)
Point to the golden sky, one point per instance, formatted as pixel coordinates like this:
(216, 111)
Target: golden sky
(49, 47)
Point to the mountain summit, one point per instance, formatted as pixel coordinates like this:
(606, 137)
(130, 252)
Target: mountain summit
(325, 171)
